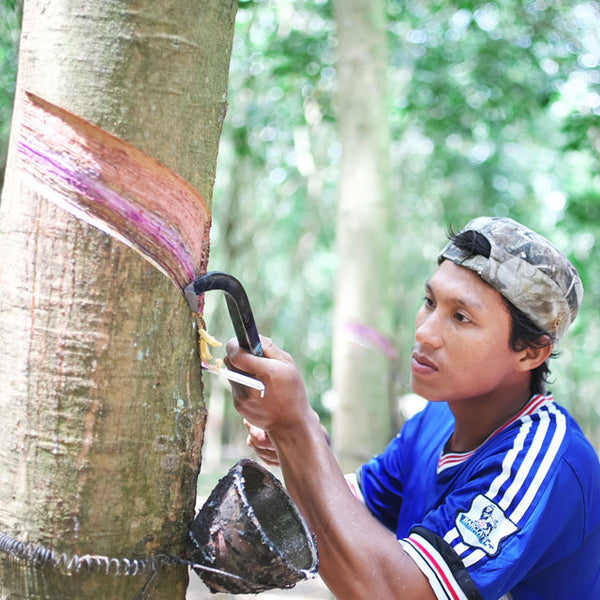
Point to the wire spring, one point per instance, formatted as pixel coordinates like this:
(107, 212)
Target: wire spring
(41, 555)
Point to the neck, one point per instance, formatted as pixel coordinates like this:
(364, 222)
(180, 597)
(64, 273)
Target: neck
(476, 419)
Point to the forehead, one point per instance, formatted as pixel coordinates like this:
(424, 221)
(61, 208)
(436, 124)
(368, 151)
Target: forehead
(464, 286)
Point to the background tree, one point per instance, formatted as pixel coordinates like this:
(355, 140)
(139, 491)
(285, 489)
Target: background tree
(101, 394)
(493, 109)
(277, 171)
(361, 350)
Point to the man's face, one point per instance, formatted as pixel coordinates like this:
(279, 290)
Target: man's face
(462, 338)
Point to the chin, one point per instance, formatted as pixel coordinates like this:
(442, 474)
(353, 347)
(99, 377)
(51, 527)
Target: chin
(432, 395)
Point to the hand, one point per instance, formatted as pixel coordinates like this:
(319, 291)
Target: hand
(258, 439)
(284, 405)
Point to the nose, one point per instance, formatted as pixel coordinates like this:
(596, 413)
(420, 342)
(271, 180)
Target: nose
(428, 330)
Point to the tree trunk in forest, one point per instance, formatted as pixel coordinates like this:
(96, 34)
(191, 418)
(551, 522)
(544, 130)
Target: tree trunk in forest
(361, 352)
(101, 387)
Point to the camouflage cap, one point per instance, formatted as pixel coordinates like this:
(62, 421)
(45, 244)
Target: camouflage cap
(527, 270)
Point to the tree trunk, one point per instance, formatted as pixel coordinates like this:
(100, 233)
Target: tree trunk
(361, 352)
(101, 388)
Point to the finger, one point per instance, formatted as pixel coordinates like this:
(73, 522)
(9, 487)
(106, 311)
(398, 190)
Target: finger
(326, 435)
(239, 391)
(272, 461)
(269, 455)
(259, 435)
(240, 360)
(267, 450)
(323, 428)
(260, 445)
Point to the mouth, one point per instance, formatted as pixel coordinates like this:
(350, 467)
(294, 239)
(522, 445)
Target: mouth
(420, 364)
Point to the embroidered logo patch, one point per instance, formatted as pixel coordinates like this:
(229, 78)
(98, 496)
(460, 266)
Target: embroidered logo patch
(484, 525)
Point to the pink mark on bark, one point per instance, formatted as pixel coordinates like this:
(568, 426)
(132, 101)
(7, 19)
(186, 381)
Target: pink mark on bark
(115, 187)
(370, 337)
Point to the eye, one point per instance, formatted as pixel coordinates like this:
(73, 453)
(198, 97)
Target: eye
(461, 318)
(428, 302)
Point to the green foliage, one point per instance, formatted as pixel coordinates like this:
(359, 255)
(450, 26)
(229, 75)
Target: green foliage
(10, 20)
(274, 205)
(503, 100)
(483, 87)
(494, 110)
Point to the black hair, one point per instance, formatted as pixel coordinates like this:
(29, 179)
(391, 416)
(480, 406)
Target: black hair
(524, 332)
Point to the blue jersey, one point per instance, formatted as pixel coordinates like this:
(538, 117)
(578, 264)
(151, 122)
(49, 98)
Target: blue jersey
(519, 517)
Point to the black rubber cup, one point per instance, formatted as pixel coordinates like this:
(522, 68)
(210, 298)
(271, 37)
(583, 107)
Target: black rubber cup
(250, 528)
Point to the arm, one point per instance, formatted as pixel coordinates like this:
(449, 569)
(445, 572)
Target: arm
(359, 557)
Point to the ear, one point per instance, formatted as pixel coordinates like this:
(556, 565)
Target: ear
(532, 357)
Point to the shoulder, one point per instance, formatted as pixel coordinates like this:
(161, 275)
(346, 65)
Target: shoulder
(544, 431)
(562, 440)
(528, 498)
(579, 466)
(580, 449)
(543, 454)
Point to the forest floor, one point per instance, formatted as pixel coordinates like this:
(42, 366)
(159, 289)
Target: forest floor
(313, 589)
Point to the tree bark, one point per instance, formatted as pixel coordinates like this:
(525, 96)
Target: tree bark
(361, 352)
(101, 387)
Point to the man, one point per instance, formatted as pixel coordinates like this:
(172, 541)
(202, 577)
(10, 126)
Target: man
(492, 491)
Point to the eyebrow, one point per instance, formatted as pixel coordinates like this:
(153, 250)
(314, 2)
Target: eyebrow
(466, 303)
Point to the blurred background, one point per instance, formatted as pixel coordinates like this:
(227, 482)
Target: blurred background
(493, 109)
(481, 108)
(489, 108)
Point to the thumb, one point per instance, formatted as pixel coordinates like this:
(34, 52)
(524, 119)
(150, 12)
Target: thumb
(244, 361)
(261, 367)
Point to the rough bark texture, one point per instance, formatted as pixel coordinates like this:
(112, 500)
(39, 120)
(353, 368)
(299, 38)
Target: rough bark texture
(361, 354)
(101, 387)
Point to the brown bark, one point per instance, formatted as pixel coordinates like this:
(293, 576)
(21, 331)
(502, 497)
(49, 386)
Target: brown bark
(101, 389)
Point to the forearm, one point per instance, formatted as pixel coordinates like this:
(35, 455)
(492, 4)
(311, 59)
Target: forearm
(359, 558)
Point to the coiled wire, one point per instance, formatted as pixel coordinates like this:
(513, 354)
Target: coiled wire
(41, 555)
